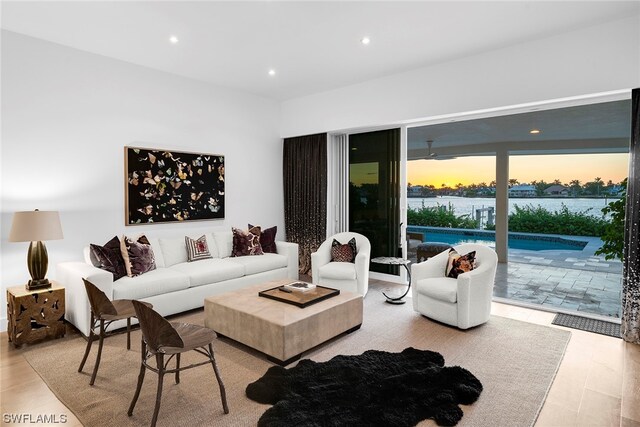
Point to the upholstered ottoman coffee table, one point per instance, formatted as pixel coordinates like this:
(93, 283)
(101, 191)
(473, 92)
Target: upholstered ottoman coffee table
(281, 331)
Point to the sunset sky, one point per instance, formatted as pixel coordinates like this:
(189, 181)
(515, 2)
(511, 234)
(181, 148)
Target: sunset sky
(565, 167)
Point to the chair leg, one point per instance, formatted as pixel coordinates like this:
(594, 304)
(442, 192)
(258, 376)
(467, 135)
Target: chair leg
(89, 342)
(128, 333)
(140, 381)
(160, 363)
(223, 393)
(95, 368)
(178, 368)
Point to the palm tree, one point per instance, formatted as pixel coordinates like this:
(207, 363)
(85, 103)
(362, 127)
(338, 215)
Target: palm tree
(599, 184)
(576, 186)
(513, 181)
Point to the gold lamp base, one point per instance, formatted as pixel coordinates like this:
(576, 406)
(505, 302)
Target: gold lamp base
(38, 262)
(38, 284)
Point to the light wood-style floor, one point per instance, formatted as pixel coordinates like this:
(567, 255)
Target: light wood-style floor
(598, 383)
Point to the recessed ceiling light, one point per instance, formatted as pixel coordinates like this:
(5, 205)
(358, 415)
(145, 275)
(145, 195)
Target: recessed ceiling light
(534, 131)
(173, 39)
(365, 40)
(272, 72)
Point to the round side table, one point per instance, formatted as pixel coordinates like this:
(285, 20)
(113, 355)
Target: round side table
(395, 261)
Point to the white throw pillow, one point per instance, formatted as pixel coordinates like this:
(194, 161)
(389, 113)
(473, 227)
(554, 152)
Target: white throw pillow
(174, 251)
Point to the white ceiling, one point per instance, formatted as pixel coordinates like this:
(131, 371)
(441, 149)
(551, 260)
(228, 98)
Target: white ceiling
(313, 46)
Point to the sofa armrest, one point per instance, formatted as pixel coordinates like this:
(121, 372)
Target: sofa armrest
(290, 250)
(319, 258)
(433, 267)
(475, 292)
(70, 275)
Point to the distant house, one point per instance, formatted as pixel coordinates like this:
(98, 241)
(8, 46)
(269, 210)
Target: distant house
(615, 190)
(522, 191)
(556, 191)
(415, 191)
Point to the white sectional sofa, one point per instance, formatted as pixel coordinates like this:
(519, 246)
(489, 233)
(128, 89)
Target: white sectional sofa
(176, 285)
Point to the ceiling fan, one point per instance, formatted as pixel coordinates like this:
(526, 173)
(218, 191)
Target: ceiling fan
(434, 156)
(430, 154)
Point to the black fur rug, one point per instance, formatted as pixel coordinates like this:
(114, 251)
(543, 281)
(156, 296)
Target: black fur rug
(372, 389)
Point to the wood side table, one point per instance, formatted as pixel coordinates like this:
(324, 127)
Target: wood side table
(35, 315)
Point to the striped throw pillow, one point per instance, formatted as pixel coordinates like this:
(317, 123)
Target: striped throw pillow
(197, 249)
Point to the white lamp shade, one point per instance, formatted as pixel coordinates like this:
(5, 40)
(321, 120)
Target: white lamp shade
(32, 226)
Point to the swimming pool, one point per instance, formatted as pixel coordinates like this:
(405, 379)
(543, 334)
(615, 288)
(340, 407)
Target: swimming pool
(531, 242)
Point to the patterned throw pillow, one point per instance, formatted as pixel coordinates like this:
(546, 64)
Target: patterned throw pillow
(458, 264)
(343, 253)
(138, 255)
(246, 242)
(197, 249)
(109, 258)
(268, 239)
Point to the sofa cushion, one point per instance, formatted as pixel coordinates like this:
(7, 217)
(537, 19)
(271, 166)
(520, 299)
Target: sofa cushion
(343, 252)
(440, 288)
(338, 270)
(260, 264)
(157, 251)
(109, 258)
(174, 251)
(267, 239)
(209, 271)
(458, 264)
(138, 255)
(155, 282)
(224, 242)
(246, 242)
(197, 249)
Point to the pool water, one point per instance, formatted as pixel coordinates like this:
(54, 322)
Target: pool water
(516, 241)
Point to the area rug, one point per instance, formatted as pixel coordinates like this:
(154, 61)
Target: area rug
(373, 388)
(515, 361)
(586, 324)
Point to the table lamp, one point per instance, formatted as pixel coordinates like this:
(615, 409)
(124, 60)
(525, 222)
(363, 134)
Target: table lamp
(36, 226)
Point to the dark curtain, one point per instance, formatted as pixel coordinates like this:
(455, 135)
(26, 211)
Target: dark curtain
(305, 194)
(630, 328)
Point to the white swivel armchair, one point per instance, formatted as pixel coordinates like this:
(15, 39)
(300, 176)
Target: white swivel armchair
(346, 276)
(463, 302)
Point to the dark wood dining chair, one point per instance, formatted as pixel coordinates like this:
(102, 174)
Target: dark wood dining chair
(161, 338)
(103, 312)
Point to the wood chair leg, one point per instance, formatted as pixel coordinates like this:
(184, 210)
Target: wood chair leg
(140, 381)
(160, 363)
(178, 368)
(95, 368)
(89, 342)
(223, 393)
(128, 333)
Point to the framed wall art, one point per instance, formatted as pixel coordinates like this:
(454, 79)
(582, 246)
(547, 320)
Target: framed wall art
(168, 186)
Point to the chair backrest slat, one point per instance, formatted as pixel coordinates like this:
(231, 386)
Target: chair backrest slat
(156, 330)
(100, 303)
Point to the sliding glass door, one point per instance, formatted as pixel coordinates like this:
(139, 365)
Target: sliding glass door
(374, 192)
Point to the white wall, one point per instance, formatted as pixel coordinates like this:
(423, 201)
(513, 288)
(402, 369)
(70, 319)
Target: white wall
(66, 116)
(597, 59)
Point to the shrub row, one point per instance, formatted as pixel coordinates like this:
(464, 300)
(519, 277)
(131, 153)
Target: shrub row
(439, 216)
(536, 219)
(526, 219)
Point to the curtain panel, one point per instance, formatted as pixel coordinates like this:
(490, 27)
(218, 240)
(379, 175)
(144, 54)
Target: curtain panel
(305, 194)
(630, 328)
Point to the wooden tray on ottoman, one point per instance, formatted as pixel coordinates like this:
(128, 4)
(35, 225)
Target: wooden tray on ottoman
(300, 299)
(281, 331)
